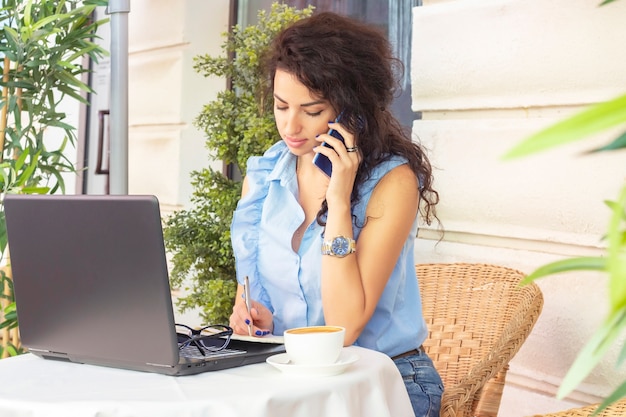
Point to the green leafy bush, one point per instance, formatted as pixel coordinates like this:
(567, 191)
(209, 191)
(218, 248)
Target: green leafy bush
(239, 123)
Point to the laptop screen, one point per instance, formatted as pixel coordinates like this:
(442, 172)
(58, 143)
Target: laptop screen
(91, 280)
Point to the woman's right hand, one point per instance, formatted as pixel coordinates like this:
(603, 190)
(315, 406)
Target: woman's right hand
(260, 317)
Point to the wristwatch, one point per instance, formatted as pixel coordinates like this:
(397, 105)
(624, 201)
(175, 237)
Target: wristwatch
(340, 246)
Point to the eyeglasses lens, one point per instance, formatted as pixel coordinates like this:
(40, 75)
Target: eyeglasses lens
(212, 338)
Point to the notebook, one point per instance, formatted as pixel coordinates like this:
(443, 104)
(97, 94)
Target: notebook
(92, 286)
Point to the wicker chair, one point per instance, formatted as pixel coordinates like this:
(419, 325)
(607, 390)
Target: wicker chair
(617, 409)
(478, 317)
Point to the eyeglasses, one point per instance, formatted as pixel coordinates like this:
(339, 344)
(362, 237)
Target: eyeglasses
(216, 338)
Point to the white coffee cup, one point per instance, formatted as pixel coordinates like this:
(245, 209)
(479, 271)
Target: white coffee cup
(314, 345)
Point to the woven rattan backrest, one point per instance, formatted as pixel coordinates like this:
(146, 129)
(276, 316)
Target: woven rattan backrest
(471, 311)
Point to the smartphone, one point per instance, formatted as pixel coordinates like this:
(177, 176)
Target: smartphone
(322, 161)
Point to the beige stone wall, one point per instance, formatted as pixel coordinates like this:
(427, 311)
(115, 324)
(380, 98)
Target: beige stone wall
(166, 94)
(486, 74)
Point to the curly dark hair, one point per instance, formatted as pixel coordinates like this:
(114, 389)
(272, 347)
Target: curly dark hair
(351, 64)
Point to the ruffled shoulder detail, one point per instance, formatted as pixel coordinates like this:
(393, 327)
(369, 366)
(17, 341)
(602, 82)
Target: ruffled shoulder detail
(259, 168)
(247, 217)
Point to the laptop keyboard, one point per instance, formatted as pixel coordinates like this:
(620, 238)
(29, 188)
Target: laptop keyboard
(193, 353)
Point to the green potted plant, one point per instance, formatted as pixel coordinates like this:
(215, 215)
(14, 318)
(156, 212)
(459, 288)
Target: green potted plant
(42, 43)
(239, 123)
(592, 120)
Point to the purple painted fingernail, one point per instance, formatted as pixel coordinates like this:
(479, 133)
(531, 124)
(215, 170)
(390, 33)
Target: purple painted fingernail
(247, 321)
(258, 333)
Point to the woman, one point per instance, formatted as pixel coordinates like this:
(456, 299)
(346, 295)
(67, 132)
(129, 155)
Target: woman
(339, 249)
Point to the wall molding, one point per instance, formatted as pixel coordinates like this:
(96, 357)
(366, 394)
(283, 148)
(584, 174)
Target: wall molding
(545, 386)
(510, 242)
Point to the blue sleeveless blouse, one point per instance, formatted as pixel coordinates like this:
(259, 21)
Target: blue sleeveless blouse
(288, 283)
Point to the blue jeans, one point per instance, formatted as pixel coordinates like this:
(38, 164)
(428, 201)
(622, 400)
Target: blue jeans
(423, 384)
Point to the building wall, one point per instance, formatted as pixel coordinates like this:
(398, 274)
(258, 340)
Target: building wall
(486, 74)
(166, 94)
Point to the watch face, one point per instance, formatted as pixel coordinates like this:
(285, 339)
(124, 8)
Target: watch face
(340, 246)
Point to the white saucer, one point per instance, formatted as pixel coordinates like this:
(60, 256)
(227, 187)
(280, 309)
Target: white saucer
(281, 362)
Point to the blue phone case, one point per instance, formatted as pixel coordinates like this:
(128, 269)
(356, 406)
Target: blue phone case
(322, 161)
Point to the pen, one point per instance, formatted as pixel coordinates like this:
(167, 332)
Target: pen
(246, 295)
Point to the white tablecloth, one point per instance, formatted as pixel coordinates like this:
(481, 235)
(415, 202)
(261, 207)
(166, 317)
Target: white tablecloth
(34, 387)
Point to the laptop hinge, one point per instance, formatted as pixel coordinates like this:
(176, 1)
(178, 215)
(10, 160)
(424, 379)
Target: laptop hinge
(159, 364)
(50, 354)
(38, 350)
(47, 352)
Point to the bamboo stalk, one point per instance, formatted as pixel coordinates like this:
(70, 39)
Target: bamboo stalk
(18, 94)
(5, 96)
(18, 90)
(5, 336)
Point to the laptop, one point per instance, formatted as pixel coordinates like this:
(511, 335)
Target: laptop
(92, 286)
